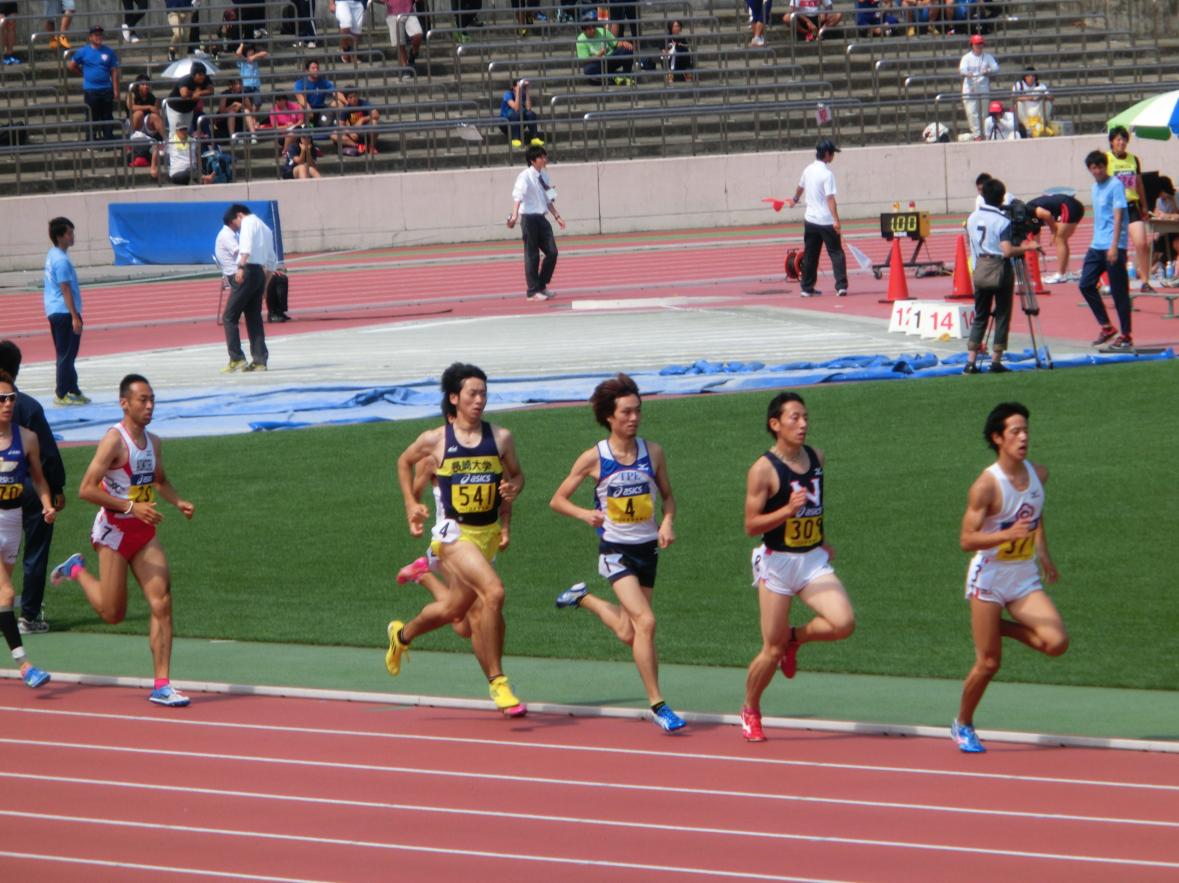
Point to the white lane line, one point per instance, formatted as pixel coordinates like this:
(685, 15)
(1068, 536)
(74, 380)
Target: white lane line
(711, 793)
(138, 866)
(595, 749)
(514, 855)
(517, 856)
(413, 807)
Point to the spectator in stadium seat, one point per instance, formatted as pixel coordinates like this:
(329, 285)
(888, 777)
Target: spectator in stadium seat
(180, 19)
(8, 8)
(231, 102)
(811, 15)
(405, 32)
(54, 8)
(183, 158)
(143, 109)
(976, 68)
(314, 92)
(1033, 104)
(350, 17)
(305, 23)
(99, 67)
(759, 14)
(248, 55)
(286, 115)
(299, 158)
(185, 97)
(1000, 124)
(677, 54)
(516, 109)
(929, 16)
(357, 117)
(603, 55)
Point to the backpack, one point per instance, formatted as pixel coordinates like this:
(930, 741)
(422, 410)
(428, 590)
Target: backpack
(218, 164)
(276, 295)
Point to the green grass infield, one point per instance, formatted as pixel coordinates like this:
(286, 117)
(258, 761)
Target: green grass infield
(297, 535)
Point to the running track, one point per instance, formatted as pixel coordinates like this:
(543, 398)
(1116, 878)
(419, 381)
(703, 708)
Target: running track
(99, 785)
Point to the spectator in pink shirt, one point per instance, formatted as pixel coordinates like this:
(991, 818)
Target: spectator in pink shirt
(405, 32)
(286, 116)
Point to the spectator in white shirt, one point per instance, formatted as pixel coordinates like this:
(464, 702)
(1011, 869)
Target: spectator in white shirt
(976, 68)
(821, 222)
(1001, 125)
(255, 264)
(534, 198)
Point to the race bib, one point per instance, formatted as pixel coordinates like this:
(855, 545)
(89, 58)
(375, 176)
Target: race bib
(622, 509)
(445, 531)
(799, 533)
(11, 491)
(1017, 550)
(475, 497)
(142, 493)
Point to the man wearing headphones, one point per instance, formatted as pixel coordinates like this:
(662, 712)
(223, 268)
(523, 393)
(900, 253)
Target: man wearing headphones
(821, 222)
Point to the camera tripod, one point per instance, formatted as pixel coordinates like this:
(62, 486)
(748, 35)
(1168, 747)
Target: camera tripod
(1031, 308)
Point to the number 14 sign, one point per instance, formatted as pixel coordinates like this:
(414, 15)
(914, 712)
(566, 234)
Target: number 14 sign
(931, 318)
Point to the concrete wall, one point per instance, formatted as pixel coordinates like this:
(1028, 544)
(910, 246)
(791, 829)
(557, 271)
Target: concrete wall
(665, 194)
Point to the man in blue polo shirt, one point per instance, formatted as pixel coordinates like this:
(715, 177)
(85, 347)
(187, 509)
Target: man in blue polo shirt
(313, 92)
(63, 307)
(1107, 254)
(99, 67)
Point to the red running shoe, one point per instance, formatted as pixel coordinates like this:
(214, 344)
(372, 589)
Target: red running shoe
(789, 661)
(751, 725)
(413, 571)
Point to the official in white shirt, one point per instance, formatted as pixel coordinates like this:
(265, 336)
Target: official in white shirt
(821, 222)
(988, 230)
(255, 263)
(534, 198)
(975, 69)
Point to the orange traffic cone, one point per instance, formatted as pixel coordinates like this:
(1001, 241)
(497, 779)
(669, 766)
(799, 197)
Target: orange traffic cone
(898, 288)
(963, 284)
(1033, 262)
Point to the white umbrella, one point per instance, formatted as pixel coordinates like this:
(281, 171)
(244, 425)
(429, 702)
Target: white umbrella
(1156, 117)
(183, 67)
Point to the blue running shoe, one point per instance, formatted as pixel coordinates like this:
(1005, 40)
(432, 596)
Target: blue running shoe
(65, 570)
(169, 696)
(967, 739)
(34, 677)
(668, 720)
(572, 596)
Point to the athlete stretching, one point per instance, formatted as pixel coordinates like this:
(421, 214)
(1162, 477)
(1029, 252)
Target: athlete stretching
(1004, 527)
(476, 471)
(123, 479)
(626, 471)
(784, 503)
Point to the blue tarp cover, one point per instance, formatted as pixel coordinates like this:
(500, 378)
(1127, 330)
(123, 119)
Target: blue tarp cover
(176, 232)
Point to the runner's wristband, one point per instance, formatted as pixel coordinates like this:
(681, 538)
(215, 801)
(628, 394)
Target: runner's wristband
(130, 506)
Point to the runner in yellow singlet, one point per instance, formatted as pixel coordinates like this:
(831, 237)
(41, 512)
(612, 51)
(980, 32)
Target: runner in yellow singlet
(1125, 166)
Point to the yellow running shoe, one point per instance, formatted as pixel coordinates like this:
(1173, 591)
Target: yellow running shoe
(505, 700)
(396, 649)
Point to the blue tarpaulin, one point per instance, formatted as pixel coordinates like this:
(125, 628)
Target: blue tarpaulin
(217, 412)
(176, 232)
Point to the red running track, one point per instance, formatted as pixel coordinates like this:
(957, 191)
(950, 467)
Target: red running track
(100, 785)
(331, 292)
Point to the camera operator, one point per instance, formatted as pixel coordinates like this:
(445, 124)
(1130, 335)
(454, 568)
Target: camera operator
(1060, 214)
(992, 233)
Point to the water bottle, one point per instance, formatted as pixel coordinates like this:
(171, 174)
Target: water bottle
(1130, 272)
(1169, 270)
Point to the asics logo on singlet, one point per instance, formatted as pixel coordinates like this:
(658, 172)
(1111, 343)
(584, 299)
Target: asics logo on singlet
(452, 449)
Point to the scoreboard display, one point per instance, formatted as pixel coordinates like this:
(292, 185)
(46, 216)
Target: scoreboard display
(913, 224)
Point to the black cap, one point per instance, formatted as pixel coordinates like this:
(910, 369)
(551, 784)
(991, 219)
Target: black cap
(97, 29)
(825, 146)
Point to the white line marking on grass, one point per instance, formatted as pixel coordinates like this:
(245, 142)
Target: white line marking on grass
(511, 778)
(517, 856)
(138, 866)
(412, 807)
(593, 749)
(514, 855)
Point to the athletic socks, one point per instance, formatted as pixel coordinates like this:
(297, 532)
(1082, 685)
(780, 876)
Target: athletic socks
(160, 683)
(11, 633)
(658, 705)
(401, 637)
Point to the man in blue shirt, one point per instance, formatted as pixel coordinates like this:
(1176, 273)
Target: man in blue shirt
(63, 307)
(99, 67)
(1107, 254)
(314, 91)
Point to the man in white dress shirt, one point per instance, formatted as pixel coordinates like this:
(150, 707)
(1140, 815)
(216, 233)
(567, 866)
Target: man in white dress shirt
(255, 264)
(534, 198)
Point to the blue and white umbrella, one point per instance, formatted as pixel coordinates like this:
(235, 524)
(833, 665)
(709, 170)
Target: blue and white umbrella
(1156, 117)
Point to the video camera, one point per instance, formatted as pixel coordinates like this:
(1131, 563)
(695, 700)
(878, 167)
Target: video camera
(1024, 223)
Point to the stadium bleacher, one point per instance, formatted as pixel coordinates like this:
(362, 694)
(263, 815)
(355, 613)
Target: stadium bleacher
(1096, 58)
